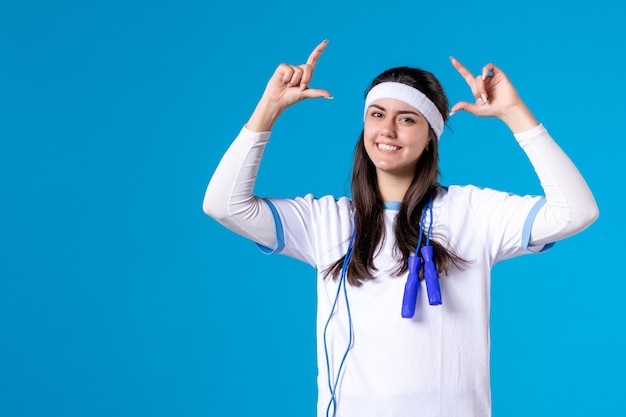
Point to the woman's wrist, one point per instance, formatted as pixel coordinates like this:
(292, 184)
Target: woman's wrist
(519, 118)
(264, 116)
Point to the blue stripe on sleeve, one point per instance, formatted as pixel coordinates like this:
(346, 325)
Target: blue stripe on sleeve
(528, 225)
(280, 236)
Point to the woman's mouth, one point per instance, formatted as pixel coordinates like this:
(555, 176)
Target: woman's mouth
(387, 148)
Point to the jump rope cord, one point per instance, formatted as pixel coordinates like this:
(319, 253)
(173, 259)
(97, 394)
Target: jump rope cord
(342, 283)
(430, 223)
(419, 241)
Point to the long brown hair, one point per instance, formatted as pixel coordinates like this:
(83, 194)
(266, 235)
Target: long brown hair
(369, 204)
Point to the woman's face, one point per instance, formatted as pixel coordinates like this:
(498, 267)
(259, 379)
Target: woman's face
(395, 135)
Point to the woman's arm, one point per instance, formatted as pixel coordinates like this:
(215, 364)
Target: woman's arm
(229, 197)
(570, 205)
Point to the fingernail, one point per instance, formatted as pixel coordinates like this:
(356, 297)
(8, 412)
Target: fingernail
(484, 77)
(325, 41)
(484, 97)
(329, 97)
(480, 100)
(302, 87)
(452, 113)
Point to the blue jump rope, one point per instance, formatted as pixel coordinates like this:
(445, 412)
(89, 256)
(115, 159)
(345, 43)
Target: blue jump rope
(408, 301)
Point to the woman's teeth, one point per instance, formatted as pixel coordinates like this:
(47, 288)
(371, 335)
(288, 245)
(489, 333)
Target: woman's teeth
(389, 148)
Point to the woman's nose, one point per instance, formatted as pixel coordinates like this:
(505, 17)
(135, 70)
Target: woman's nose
(388, 128)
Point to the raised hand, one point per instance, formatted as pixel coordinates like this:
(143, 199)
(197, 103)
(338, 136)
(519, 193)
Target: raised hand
(495, 97)
(288, 85)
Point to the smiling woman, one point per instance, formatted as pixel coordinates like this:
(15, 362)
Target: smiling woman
(392, 338)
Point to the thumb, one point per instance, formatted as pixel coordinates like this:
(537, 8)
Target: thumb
(465, 106)
(315, 93)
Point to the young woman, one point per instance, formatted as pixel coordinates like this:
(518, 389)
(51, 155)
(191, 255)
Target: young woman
(394, 338)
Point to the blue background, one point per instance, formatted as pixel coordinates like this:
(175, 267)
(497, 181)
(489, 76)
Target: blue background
(119, 297)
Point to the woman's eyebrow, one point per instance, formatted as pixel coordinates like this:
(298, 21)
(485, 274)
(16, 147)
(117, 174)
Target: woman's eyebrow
(378, 106)
(409, 112)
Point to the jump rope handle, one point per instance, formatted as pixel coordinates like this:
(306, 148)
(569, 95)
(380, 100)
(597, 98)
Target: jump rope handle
(431, 277)
(411, 287)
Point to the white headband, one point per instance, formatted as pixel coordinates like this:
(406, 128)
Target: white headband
(412, 97)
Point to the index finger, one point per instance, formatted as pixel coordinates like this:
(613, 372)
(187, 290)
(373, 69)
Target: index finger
(465, 73)
(312, 61)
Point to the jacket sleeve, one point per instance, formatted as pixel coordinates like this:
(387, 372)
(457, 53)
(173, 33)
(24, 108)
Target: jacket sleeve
(229, 197)
(570, 206)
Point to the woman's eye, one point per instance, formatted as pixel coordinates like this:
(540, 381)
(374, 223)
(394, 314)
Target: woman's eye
(407, 120)
(377, 114)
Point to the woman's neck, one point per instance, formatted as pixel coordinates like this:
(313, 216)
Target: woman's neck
(392, 187)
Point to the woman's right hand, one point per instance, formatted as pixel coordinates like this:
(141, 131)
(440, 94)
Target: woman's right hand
(288, 85)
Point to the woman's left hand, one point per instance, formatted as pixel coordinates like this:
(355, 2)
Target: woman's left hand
(495, 97)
